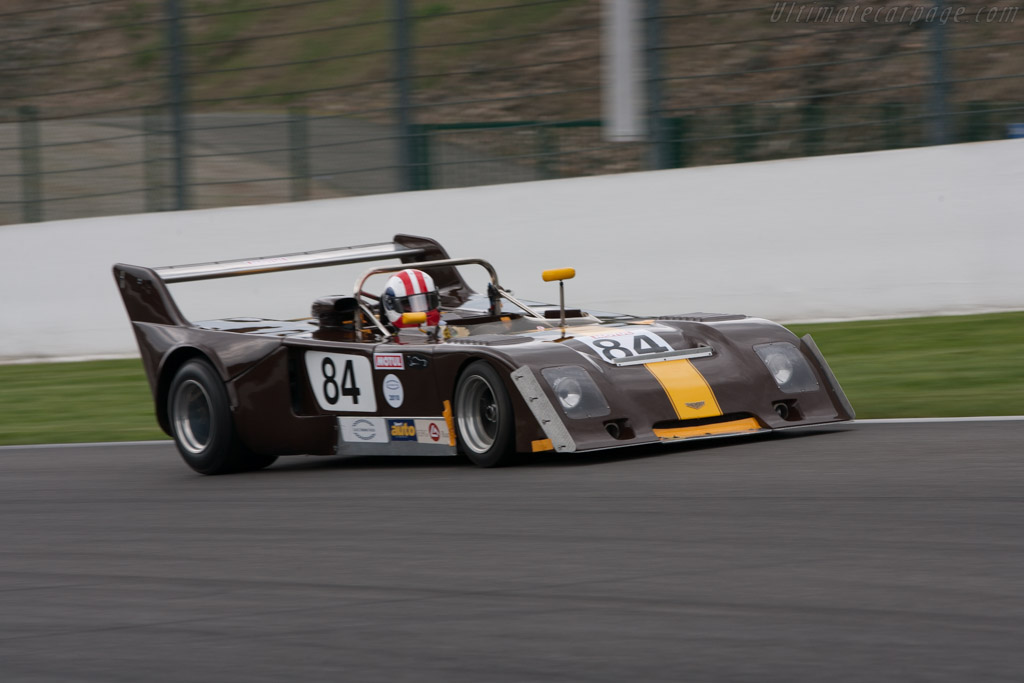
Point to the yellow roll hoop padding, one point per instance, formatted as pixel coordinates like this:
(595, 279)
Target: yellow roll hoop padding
(417, 318)
(558, 274)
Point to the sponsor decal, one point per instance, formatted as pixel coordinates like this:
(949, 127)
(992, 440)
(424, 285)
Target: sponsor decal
(363, 429)
(394, 392)
(388, 361)
(433, 431)
(414, 361)
(402, 430)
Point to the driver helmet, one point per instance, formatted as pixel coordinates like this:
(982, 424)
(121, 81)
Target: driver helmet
(410, 291)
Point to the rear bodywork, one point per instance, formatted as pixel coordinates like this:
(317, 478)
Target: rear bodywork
(321, 386)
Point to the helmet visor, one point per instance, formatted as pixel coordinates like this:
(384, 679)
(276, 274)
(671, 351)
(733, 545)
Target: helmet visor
(417, 303)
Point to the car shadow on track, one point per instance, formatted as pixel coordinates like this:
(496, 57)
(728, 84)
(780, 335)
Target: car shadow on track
(698, 447)
(533, 460)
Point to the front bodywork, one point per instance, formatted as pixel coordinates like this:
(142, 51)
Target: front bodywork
(601, 381)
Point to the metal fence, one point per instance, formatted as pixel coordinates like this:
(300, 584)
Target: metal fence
(123, 106)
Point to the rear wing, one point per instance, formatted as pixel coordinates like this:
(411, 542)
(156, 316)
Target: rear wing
(297, 261)
(147, 298)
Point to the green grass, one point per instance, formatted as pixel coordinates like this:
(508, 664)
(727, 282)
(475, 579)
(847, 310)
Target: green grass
(105, 400)
(924, 367)
(928, 367)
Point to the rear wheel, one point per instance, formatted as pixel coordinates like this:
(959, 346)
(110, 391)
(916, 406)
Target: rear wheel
(484, 421)
(200, 419)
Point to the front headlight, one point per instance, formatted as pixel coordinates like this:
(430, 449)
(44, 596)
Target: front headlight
(788, 367)
(780, 367)
(568, 391)
(576, 391)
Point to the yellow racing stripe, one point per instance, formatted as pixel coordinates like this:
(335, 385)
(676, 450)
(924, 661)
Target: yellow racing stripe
(689, 392)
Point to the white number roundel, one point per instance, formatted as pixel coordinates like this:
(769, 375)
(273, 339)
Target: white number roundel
(342, 382)
(617, 344)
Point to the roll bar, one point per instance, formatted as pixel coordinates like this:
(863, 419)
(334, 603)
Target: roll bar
(341, 255)
(498, 291)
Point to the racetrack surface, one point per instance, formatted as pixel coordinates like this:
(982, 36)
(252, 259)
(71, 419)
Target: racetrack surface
(864, 552)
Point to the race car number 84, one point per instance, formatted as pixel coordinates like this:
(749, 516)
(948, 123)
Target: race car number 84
(342, 382)
(625, 344)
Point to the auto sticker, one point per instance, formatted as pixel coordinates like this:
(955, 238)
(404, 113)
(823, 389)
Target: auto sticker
(402, 430)
(363, 429)
(433, 431)
(393, 391)
(388, 361)
(342, 382)
(624, 343)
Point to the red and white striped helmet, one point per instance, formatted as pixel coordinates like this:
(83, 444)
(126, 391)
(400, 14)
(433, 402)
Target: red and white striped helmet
(410, 291)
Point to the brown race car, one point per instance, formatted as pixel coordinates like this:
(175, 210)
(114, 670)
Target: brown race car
(495, 377)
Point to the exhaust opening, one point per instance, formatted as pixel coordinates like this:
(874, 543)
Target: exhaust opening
(788, 410)
(619, 429)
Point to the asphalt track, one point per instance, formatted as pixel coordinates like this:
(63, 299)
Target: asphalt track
(869, 552)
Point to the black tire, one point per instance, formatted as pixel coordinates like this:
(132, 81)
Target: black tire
(484, 420)
(253, 462)
(200, 420)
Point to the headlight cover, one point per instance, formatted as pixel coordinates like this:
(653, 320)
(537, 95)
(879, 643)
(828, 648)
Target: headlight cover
(787, 366)
(576, 392)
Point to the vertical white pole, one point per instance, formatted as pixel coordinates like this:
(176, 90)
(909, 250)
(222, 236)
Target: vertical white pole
(622, 92)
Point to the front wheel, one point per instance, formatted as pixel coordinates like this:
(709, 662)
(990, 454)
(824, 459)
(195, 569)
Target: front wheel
(484, 421)
(200, 419)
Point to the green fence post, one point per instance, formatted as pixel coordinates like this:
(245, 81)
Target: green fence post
(177, 99)
(408, 171)
(659, 150)
(298, 152)
(31, 166)
(152, 158)
(745, 139)
(812, 120)
(978, 122)
(547, 152)
(892, 113)
(679, 144)
(419, 136)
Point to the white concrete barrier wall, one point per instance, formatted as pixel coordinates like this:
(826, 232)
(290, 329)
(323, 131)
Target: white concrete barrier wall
(907, 232)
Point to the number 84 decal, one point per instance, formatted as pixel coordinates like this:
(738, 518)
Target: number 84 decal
(626, 345)
(342, 382)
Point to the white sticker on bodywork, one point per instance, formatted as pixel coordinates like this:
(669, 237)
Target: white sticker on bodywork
(363, 429)
(388, 361)
(342, 382)
(624, 343)
(433, 431)
(394, 392)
